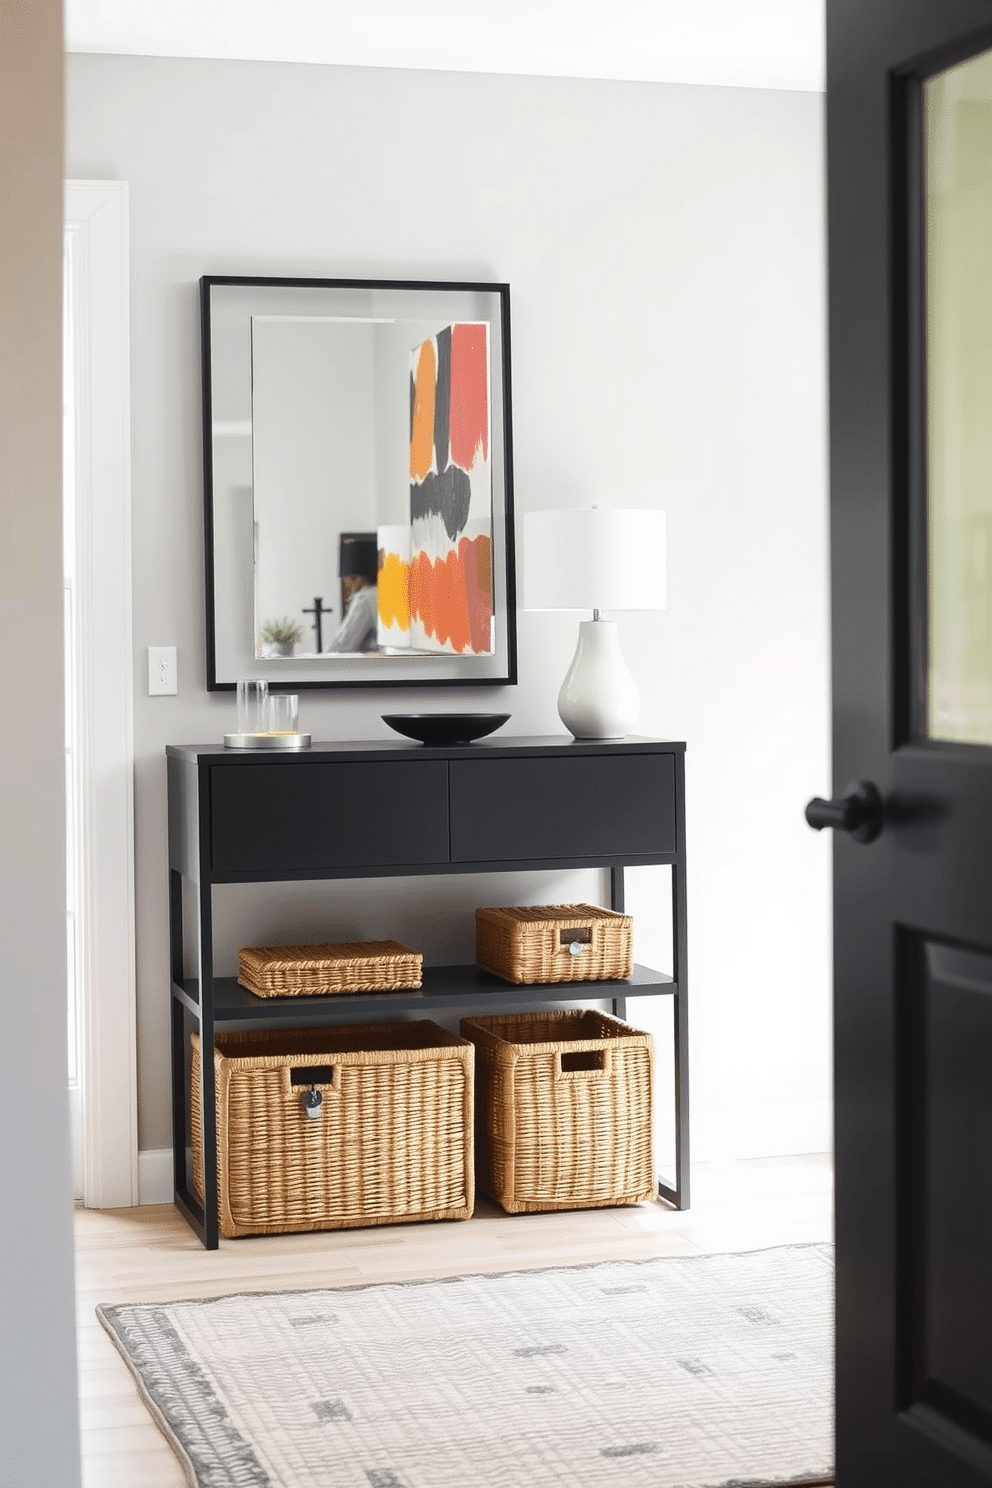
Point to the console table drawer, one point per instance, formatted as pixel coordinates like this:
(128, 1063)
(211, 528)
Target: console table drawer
(294, 816)
(592, 806)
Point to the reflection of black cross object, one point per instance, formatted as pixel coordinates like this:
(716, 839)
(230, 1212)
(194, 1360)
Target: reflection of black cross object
(317, 612)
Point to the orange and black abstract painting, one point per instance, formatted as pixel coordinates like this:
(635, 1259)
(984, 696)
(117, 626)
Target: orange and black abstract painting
(451, 580)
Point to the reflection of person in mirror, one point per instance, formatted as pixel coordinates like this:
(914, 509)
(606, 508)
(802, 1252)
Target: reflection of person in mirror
(359, 567)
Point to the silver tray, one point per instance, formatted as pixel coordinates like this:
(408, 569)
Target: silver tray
(266, 741)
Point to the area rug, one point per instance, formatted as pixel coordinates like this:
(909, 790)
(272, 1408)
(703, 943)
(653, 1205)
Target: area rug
(685, 1372)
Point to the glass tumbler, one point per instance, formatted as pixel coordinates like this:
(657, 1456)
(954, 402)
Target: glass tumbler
(283, 713)
(252, 709)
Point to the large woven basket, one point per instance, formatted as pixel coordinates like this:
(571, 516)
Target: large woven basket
(393, 1141)
(554, 943)
(565, 1103)
(320, 970)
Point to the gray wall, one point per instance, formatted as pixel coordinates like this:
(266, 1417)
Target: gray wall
(664, 247)
(38, 1421)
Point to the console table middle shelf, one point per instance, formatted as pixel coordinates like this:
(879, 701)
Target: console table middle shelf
(379, 808)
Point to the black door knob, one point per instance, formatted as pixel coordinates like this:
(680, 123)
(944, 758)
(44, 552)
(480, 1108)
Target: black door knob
(858, 811)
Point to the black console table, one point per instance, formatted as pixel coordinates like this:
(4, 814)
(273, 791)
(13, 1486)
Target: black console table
(365, 810)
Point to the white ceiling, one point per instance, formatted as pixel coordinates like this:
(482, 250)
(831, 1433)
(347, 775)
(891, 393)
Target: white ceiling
(730, 43)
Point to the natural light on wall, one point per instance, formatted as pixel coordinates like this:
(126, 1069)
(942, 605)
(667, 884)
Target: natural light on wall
(958, 122)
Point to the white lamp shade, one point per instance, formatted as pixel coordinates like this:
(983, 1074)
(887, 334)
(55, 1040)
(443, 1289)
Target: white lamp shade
(601, 558)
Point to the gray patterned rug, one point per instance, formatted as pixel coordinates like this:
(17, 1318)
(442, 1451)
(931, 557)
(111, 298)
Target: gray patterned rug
(670, 1373)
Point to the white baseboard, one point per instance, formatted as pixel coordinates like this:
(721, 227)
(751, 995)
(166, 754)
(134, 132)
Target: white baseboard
(759, 1129)
(155, 1185)
(719, 1134)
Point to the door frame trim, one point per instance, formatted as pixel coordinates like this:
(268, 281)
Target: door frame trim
(96, 219)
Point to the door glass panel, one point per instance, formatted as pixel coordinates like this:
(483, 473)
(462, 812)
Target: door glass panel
(958, 277)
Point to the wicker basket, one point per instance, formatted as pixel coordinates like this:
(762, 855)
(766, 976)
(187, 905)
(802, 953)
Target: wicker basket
(393, 1140)
(319, 970)
(564, 1110)
(554, 943)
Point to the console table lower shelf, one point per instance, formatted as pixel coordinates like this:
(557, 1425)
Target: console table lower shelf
(444, 987)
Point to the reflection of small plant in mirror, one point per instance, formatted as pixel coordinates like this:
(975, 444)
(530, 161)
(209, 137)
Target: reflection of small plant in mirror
(281, 632)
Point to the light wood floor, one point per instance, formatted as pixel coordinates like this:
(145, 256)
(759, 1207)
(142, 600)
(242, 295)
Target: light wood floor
(149, 1254)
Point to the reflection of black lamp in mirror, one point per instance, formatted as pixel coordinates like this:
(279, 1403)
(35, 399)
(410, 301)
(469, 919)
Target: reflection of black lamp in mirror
(358, 566)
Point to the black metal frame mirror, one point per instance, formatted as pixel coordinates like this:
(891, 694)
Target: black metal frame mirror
(358, 507)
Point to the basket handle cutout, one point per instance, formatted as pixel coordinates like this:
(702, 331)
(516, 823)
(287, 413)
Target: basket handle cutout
(309, 1077)
(575, 940)
(583, 1061)
(312, 1074)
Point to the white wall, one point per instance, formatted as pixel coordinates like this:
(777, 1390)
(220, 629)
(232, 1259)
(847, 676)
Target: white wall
(664, 247)
(38, 1419)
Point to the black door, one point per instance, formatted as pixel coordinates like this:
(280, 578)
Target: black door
(909, 151)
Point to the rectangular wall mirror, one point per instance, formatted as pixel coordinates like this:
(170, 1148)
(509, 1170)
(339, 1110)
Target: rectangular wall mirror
(357, 483)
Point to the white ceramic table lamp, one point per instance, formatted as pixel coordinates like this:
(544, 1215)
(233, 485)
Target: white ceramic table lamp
(598, 559)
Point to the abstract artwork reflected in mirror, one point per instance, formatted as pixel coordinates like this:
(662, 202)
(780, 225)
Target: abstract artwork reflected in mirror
(358, 489)
(451, 499)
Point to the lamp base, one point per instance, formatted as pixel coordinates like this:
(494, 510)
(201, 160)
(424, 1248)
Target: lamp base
(598, 698)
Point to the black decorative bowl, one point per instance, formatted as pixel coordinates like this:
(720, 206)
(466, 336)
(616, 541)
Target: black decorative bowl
(445, 728)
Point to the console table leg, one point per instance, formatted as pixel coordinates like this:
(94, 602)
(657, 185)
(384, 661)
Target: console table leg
(681, 1030)
(208, 1094)
(177, 1032)
(616, 890)
(679, 1195)
(616, 902)
(179, 1082)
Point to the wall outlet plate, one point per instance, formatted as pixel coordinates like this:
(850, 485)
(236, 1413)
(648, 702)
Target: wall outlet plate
(162, 671)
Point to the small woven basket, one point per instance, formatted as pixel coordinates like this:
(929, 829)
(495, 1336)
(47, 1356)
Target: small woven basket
(565, 1105)
(392, 1140)
(554, 943)
(321, 970)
